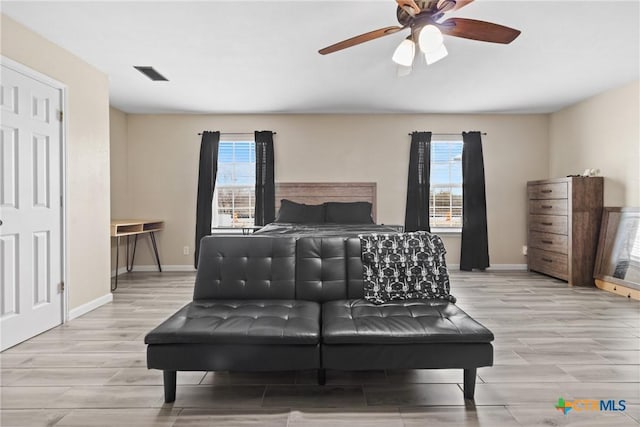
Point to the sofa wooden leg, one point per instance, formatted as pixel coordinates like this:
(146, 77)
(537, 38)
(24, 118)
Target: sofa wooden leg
(322, 376)
(169, 386)
(469, 383)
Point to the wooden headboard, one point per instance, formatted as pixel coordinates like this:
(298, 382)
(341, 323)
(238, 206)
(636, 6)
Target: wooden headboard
(316, 193)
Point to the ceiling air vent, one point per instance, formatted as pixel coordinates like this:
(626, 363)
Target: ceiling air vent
(151, 73)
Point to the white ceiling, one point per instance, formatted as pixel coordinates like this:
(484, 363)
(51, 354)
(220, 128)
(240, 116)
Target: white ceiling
(261, 57)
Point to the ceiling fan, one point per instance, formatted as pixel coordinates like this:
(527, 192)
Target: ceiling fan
(423, 18)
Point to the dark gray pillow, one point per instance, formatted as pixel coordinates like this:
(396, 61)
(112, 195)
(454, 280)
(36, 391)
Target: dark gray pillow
(348, 213)
(299, 213)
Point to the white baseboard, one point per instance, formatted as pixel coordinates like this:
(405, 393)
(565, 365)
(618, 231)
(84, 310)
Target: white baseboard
(154, 267)
(495, 267)
(91, 305)
(510, 267)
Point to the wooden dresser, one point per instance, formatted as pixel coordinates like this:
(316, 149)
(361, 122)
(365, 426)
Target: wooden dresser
(564, 224)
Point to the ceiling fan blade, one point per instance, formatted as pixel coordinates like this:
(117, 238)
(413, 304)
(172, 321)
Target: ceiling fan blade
(371, 35)
(410, 6)
(478, 30)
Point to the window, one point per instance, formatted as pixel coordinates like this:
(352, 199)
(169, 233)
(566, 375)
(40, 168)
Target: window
(234, 195)
(445, 199)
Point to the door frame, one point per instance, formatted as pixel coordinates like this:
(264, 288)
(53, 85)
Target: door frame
(43, 78)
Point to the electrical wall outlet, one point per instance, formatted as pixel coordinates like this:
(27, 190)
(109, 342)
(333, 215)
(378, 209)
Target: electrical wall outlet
(524, 250)
(185, 250)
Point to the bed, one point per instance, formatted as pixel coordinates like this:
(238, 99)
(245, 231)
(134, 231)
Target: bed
(340, 209)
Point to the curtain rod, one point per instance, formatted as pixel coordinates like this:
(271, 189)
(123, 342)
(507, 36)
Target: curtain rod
(237, 133)
(448, 134)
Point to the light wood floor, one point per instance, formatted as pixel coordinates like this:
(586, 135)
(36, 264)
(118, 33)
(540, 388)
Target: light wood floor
(551, 341)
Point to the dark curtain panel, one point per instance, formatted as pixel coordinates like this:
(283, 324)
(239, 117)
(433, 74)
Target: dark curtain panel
(206, 184)
(265, 210)
(416, 215)
(475, 244)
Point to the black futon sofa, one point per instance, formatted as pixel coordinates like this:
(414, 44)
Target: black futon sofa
(273, 304)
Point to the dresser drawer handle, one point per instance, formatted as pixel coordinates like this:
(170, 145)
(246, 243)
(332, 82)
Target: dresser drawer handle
(548, 242)
(547, 191)
(547, 206)
(547, 260)
(546, 223)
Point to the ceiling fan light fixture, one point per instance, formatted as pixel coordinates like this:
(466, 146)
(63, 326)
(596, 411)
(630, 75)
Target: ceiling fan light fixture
(436, 55)
(430, 39)
(404, 53)
(403, 71)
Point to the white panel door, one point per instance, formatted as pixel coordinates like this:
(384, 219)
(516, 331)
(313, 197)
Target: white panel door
(31, 211)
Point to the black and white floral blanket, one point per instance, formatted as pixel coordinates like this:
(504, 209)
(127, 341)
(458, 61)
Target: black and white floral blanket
(404, 266)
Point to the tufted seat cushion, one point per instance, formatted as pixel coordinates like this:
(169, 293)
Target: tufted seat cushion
(241, 322)
(399, 322)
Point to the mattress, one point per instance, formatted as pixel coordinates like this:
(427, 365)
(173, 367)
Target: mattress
(322, 230)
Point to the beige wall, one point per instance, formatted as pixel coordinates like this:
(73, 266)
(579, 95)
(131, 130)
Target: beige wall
(163, 166)
(603, 133)
(119, 174)
(118, 163)
(87, 155)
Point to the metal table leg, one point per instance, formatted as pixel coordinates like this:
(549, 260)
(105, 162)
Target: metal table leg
(155, 250)
(133, 255)
(129, 262)
(113, 288)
